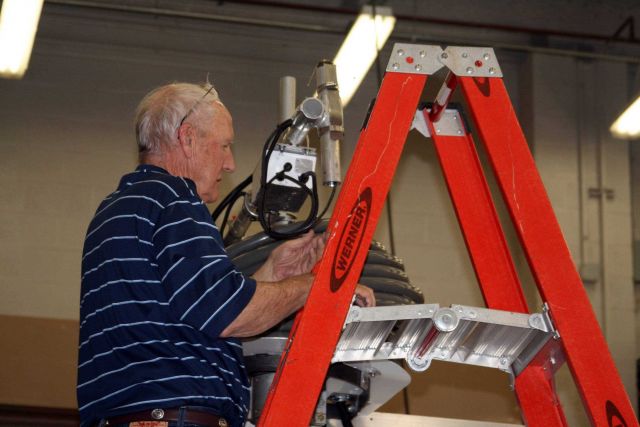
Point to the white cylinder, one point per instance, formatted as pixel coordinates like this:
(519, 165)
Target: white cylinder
(287, 99)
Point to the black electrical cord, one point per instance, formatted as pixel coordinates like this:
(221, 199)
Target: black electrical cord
(310, 221)
(326, 207)
(236, 192)
(343, 413)
(231, 197)
(263, 217)
(305, 225)
(225, 219)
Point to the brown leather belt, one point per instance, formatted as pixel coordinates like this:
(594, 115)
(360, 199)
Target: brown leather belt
(191, 416)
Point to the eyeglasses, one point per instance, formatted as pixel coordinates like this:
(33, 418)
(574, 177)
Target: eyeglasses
(194, 107)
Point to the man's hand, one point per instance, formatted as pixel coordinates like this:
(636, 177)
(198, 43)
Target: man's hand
(365, 296)
(292, 258)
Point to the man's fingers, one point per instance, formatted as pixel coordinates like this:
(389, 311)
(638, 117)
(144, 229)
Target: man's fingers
(365, 296)
(301, 241)
(318, 246)
(309, 235)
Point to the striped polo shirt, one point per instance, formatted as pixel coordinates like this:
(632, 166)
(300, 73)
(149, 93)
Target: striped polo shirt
(157, 291)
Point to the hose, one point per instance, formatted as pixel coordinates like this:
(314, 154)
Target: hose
(382, 272)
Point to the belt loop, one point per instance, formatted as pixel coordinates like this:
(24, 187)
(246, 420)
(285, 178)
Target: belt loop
(181, 414)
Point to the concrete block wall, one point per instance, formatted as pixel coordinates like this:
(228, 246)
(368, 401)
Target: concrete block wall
(575, 103)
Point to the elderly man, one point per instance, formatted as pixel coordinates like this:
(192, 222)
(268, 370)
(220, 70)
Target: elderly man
(162, 306)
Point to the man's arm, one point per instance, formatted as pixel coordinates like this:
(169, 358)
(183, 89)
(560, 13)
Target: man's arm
(271, 303)
(274, 301)
(283, 284)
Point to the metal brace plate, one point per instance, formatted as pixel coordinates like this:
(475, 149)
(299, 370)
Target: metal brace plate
(471, 61)
(415, 58)
(427, 59)
(450, 123)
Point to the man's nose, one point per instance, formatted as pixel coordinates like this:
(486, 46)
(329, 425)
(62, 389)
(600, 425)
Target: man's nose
(229, 164)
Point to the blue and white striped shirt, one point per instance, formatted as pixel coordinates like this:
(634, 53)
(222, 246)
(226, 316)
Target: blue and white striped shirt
(157, 291)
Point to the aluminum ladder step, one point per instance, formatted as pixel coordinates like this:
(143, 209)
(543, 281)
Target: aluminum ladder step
(424, 332)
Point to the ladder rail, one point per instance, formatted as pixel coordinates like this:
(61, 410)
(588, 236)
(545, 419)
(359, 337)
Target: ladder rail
(559, 283)
(317, 327)
(488, 250)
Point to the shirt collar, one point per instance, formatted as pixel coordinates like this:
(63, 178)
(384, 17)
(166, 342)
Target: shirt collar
(150, 168)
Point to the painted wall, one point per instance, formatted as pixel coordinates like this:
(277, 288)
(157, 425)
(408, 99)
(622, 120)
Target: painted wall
(575, 102)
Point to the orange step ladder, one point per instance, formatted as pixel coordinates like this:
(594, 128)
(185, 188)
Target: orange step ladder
(316, 331)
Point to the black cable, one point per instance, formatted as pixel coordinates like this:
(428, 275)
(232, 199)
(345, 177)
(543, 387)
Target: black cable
(227, 203)
(269, 146)
(228, 211)
(310, 221)
(326, 207)
(233, 195)
(343, 413)
(307, 224)
(263, 217)
(271, 143)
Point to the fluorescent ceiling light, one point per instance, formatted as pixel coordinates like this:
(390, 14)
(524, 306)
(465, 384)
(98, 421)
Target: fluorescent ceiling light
(361, 47)
(628, 124)
(18, 25)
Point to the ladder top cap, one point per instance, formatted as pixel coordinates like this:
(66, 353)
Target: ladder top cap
(427, 59)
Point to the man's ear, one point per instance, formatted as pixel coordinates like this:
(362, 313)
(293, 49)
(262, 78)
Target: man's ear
(186, 139)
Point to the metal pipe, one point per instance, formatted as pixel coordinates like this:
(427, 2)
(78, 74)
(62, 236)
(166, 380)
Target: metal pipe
(443, 97)
(398, 37)
(194, 15)
(331, 131)
(440, 21)
(287, 99)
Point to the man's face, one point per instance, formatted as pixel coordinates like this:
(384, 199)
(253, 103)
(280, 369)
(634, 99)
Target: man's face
(213, 154)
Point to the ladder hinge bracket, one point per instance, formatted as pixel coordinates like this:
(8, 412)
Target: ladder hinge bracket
(546, 314)
(415, 59)
(471, 61)
(428, 59)
(451, 123)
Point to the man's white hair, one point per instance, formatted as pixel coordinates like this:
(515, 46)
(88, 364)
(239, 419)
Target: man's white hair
(161, 111)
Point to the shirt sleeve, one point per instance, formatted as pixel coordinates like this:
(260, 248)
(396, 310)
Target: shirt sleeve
(203, 287)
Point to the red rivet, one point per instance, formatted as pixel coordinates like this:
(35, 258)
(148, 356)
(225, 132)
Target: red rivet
(409, 59)
(478, 63)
